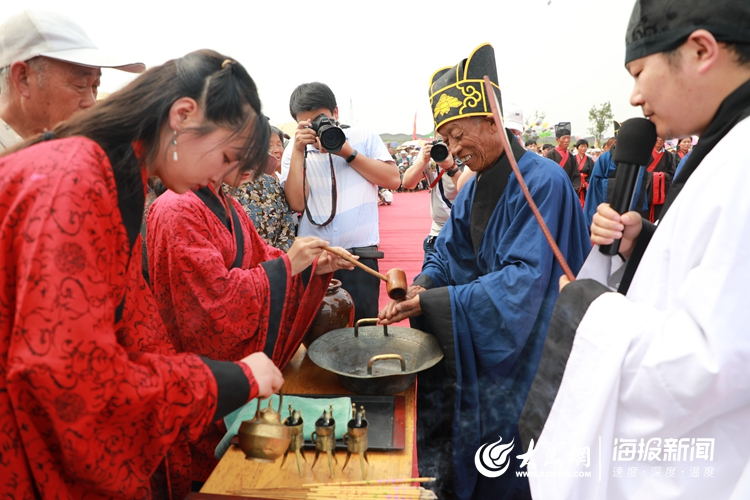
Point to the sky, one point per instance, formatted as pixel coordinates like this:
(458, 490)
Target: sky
(557, 57)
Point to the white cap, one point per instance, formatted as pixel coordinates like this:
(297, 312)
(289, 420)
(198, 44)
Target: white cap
(37, 33)
(513, 118)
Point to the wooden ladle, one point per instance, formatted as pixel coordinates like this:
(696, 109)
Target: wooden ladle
(395, 279)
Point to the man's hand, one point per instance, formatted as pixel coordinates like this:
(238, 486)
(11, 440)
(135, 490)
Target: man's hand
(304, 251)
(424, 153)
(563, 282)
(607, 225)
(396, 310)
(305, 135)
(267, 375)
(328, 262)
(414, 290)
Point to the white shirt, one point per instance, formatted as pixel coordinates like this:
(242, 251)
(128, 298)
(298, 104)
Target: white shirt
(439, 209)
(671, 360)
(8, 136)
(356, 221)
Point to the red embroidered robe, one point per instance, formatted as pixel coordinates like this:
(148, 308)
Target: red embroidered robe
(91, 395)
(215, 309)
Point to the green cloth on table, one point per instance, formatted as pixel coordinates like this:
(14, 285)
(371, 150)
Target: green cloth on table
(310, 408)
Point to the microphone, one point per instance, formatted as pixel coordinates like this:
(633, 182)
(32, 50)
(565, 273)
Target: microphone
(635, 141)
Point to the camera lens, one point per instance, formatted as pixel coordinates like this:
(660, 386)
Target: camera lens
(332, 138)
(439, 152)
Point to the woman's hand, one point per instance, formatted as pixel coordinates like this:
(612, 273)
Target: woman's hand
(328, 262)
(304, 251)
(267, 374)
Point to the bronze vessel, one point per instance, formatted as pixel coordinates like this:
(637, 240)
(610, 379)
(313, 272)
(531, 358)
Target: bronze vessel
(264, 438)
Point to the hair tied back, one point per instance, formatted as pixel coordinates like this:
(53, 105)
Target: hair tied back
(227, 62)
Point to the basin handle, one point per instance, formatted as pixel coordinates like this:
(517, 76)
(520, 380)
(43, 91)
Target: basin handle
(381, 357)
(368, 321)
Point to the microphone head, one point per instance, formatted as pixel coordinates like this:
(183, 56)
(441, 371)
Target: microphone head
(635, 141)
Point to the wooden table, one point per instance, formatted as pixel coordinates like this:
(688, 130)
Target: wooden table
(234, 473)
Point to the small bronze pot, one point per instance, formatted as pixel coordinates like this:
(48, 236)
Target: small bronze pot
(264, 438)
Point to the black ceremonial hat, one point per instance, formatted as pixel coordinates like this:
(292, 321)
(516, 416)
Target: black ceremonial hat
(458, 91)
(561, 129)
(662, 26)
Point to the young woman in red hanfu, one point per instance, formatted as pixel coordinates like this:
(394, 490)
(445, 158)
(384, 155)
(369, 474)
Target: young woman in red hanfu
(223, 292)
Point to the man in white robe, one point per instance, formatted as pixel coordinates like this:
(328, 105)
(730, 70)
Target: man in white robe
(654, 401)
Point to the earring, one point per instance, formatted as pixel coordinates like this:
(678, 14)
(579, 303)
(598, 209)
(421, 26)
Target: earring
(174, 144)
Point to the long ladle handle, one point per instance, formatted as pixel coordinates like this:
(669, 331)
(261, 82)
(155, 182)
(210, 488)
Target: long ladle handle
(495, 107)
(347, 257)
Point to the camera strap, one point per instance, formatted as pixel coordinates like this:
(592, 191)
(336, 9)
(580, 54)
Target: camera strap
(333, 191)
(437, 178)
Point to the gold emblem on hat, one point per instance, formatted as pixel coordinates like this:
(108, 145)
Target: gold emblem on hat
(445, 104)
(472, 97)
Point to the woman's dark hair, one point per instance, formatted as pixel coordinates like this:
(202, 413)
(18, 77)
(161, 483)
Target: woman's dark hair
(581, 142)
(225, 92)
(309, 96)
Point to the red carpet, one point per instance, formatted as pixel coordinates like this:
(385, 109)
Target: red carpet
(403, 227)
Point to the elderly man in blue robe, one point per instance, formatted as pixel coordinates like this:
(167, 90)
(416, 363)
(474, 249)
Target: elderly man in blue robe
(487, 292)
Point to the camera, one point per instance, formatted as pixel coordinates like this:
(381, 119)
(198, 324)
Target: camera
(439, 151)
(331, 136)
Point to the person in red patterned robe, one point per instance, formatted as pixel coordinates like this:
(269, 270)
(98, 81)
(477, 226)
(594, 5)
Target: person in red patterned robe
(93, 397)
(658, 179)
(222, 304)
(215, 302)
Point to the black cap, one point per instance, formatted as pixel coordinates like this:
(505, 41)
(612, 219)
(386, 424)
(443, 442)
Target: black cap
(661, 26)
(458, 91)
(561, 129)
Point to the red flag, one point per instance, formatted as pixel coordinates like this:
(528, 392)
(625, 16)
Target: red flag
(414, 128)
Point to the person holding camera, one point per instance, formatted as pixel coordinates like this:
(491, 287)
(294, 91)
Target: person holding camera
(440, 181)
(331, 174)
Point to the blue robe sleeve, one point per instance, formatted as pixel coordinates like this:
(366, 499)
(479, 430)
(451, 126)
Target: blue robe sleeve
(597, 192)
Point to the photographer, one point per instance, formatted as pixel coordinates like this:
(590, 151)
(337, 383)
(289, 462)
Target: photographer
(336, 187)
(442, 192)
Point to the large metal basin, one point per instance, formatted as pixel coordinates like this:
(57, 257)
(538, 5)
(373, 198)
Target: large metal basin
(375, 359)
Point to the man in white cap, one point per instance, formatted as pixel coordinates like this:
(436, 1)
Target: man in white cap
(49, 68)
(513, 120)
